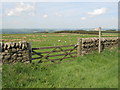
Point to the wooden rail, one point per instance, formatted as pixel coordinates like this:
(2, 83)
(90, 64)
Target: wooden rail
(52, 47)
(52, 60)
(53, 51)
(55, 55)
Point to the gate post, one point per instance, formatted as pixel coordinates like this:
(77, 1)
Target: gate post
(99, 47)
(79, 48)
(30, 52)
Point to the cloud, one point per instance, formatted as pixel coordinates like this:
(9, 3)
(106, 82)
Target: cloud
(31, 14)
(45, 15)
(21, 8)
(83, 18)
(57, 14)
(97, 12)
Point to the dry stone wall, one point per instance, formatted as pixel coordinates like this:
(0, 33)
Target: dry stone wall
(91, 44)
(14, 52)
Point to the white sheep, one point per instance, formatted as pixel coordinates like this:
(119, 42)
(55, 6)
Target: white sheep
(59, 40)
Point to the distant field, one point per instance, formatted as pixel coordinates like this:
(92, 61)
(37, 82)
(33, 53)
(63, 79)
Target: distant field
(49, 39)
(90, 71)
(109, 33)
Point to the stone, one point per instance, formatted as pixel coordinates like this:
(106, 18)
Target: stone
(26, 45)
(25, 57)
(8, 45)
(18, 50)
(3, 53)
(1, 44)
(17, 45)
(9, 50)
(6, 51)
(1, 57)
(14, 56)
(19, 55)
(20, 45)
(0, 49)
(23, 46)
(5, 46)
(13, 50)
(19, 58)
(6, 57)
(24, 52)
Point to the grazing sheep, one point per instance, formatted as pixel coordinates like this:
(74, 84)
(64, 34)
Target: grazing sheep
(59, 40)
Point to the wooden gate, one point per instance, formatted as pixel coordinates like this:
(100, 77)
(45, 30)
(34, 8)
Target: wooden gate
(40, 55)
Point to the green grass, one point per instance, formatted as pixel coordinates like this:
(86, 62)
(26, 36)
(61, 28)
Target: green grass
(116, 34)
(89, 71)
(40, 39)
(48, 39)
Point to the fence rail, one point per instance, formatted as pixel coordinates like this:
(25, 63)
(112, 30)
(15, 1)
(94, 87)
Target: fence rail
(52, 60)
(52, 47)
(52, 52)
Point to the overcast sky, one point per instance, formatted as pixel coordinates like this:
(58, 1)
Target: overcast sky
(59, 14)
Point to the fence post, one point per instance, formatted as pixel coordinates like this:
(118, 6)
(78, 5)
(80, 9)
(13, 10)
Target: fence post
(99, 47)
(30, 52)
(79, 48)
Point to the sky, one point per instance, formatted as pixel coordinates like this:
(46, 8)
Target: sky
(59, 0)
(59, 15)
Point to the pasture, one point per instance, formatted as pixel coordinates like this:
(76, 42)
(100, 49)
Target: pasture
(49, 39)
(89, 71)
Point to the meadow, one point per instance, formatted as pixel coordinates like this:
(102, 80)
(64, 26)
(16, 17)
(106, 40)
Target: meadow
(49, 39)
(89, 71)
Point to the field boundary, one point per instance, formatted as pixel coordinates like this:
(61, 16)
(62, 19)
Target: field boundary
(23, 51)
(84, 46)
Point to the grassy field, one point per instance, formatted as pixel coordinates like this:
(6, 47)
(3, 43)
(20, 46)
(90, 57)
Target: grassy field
(48, 39)
(109, 33)
(90, 71)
